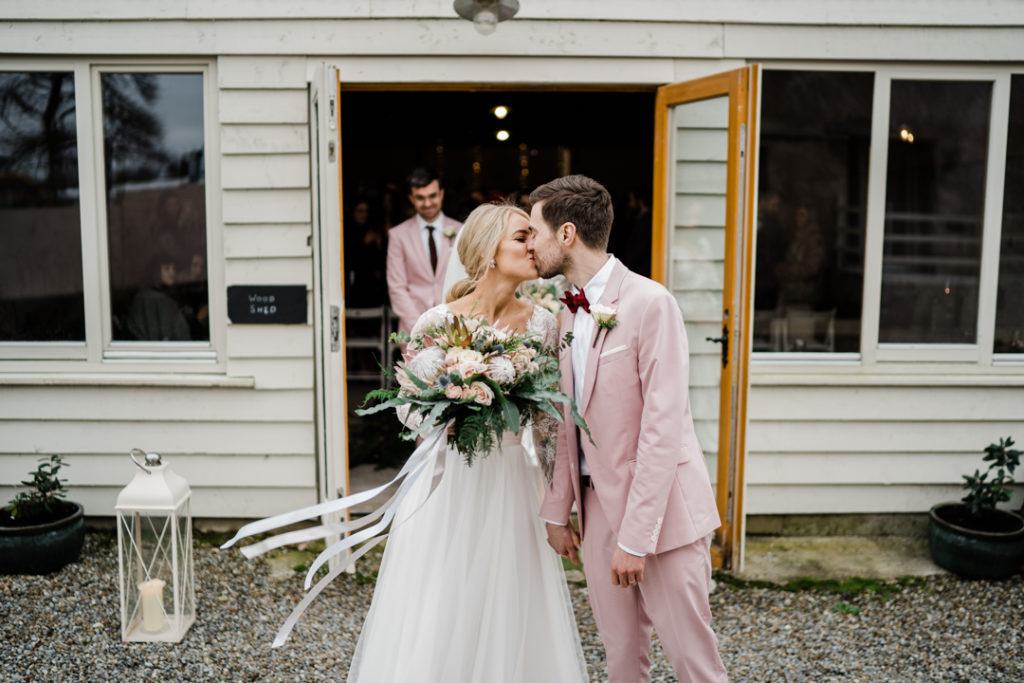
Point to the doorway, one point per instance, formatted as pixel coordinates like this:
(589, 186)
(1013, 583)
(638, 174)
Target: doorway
(486, 145)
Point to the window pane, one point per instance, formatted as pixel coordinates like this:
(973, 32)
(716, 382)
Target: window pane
(40, 234)
(1010, 300)
(156, 206)
(934, 201)
(815, 130)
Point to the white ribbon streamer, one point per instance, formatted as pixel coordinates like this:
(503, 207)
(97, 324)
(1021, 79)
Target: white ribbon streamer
(424, 458)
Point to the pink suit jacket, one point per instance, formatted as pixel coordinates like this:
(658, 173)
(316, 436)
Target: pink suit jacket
(646, 466)
(412, 286)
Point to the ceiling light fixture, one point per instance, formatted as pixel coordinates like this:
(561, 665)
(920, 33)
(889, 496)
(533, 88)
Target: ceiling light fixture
(485, 14)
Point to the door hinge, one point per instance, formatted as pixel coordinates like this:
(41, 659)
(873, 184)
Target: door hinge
(335, 329)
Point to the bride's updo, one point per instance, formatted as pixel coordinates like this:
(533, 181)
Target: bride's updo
(478, 244)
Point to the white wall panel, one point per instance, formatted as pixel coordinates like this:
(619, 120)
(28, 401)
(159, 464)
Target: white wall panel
(215, 501)
(263, 106)
(265, 171)
(269, 240)
(191, 436)
(39, 405)
(265, 73)
(269, 271)
(266, 206)
(264, 139)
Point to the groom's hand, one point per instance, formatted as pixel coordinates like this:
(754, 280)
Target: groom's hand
(564, 540)
(627, 570)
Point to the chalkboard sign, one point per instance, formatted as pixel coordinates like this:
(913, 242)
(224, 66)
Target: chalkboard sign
(267, 304)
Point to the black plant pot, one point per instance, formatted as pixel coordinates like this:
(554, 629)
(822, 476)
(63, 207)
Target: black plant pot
(42, 548)
(989, 548)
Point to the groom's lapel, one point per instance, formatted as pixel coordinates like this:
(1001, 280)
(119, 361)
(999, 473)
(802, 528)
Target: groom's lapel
(609, 298)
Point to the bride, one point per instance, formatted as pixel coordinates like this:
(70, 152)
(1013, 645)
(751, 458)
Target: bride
(468, 589)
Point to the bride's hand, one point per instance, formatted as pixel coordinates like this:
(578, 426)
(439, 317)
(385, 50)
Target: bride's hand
(565, 540)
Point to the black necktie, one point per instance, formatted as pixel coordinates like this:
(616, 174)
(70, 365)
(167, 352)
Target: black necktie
(432, 248)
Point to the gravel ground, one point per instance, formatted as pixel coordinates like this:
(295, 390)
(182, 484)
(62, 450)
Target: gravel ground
(65, 628)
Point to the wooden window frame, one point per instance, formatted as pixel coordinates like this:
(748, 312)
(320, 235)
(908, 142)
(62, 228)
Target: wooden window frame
(914, 359)
(99, 352)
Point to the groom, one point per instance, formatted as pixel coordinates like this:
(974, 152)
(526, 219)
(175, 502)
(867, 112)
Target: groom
(646, 507)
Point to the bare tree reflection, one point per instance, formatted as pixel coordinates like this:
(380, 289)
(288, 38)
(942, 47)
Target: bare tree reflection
(40, 236)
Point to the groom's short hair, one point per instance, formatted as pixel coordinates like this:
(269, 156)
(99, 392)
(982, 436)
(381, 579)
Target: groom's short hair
(579, 200)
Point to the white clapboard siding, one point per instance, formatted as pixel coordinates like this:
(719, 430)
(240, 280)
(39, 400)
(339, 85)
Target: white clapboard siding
(188, 436)
(264, 139)
(40, 404)
(265, 171)
(270, 341)
(281, 240)
(220, 500)
(261, 73)
(848, 436)
(269, 271)
(275, 373)
(266, 206)
(779, 469)
(880, 448)
(263, 106)
(817, 12)
(282, 470)
(697, 249)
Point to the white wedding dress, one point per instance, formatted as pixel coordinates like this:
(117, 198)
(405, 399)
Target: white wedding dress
(468, 589)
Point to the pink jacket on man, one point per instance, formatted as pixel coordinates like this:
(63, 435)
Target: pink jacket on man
(412, 286)
(645, 463)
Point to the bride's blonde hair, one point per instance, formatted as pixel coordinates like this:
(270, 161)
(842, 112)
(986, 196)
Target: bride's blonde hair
(478, 244)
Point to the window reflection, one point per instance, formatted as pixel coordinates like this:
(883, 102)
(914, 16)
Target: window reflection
(934, 201)
(1010, 299)
(815, 132)
(156, 207)
(40, 235)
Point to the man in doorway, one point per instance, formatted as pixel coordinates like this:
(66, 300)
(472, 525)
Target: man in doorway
(645, 502)
(419, 249)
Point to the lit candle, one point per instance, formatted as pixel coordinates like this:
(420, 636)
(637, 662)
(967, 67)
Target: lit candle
(152, 594)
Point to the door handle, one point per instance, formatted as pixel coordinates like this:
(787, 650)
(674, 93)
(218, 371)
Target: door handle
(724, 341)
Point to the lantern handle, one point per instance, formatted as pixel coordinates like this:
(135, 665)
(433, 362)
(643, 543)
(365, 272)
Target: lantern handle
(131, 454)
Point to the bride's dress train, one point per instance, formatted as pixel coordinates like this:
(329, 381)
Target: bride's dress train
(468, 589)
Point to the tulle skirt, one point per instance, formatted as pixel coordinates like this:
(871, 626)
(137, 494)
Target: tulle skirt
(468, 589)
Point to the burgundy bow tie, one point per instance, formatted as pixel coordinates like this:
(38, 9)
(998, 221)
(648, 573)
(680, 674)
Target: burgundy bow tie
(576, 301)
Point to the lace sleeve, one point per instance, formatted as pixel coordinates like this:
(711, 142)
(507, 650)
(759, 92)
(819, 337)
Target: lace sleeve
(545, 427)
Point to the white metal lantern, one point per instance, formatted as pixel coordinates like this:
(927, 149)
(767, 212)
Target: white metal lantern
(154, 554)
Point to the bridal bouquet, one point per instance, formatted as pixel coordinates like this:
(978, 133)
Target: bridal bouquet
(478, 377)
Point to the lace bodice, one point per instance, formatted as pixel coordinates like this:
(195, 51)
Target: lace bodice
(542, 325)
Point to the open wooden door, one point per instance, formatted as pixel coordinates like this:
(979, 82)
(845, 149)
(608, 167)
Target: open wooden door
(702, 250)
(328, 302)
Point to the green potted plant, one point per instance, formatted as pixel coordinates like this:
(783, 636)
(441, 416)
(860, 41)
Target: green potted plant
(40, 532)
(973, 538)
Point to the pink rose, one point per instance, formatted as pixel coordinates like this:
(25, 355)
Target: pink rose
(482, 393)
(453, 392)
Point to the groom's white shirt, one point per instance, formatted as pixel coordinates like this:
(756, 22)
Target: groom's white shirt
(583, 330)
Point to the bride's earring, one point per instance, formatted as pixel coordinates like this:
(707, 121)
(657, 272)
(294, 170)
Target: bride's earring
(494, 264)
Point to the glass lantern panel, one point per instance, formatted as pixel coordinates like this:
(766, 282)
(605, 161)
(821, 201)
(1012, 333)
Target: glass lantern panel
(185, 569)
(146, 557)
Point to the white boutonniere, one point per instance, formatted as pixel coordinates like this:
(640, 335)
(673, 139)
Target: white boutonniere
(449, 232)
(604, 318)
